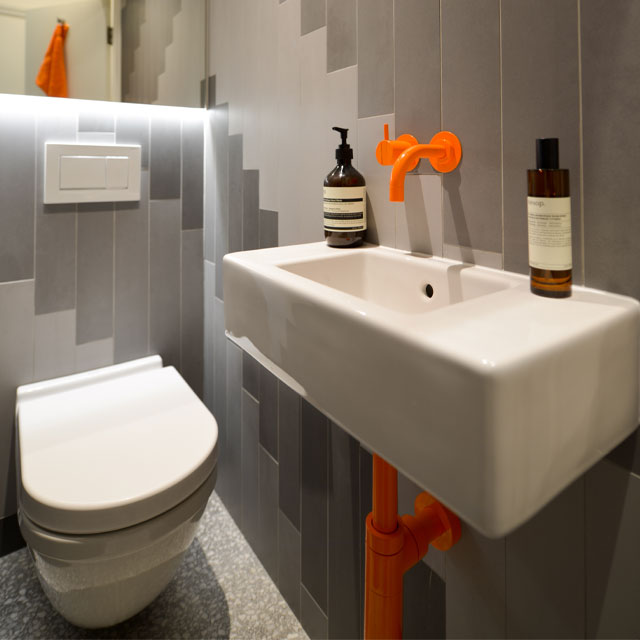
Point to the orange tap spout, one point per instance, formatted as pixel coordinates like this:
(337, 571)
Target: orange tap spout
(407, 161)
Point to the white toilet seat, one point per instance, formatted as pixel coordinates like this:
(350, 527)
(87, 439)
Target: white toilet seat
(108, 450)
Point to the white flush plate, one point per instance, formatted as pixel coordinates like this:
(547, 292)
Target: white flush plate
(91, 173)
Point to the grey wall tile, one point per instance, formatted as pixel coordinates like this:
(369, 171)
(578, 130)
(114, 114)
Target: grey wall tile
(475, 599)
(209, 186)
(313, 516)
(342, 41)
(424, 611)
(192, 309)
(250, 471)
(55, 226)
(10, 537)
(417, 70)
(540, 100)
(211, 92)
(627, 454)
(251, 375)
(131, 295)
(134, 129)
(164, 158)
(268, 547)
(94, 355)
(250, 209)
(344, 535)
(268, 229)
(289, 562)
(221, 194)
(236, 184)
(17, 190)
(91, 121)
(164, 280)
(471, 109)
(375, 58)
(233, 441)
(94, 306)
(209, 296)
(192, 173)
(289, 405)
(269, 412)
(366, 489)
(313, 15)
(545, 574)
(611, 153)
(312, 618)
(220, 393)
(613, 563)
(54, 345)
(16, 356)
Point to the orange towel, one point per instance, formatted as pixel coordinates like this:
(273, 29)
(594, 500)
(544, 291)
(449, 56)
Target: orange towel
(52, 77)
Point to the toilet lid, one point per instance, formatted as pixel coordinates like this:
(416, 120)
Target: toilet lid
(111, 454)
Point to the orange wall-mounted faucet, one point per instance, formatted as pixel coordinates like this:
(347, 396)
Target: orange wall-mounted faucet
(444, 152)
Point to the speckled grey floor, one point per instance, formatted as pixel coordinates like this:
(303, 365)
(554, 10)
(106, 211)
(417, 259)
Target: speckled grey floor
(220, 591)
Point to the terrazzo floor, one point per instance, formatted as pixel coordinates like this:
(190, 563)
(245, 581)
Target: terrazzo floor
(220, 591)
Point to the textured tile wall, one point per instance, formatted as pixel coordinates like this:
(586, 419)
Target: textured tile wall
(500, 73)
(88, 285)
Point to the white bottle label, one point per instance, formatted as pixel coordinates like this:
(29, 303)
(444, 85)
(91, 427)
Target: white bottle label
(345, 208)
(549, 233)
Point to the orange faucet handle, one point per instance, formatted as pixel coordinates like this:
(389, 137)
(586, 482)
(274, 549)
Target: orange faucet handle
(388, 151)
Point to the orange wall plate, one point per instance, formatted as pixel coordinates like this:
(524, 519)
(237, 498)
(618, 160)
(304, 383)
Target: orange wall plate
(453, 154)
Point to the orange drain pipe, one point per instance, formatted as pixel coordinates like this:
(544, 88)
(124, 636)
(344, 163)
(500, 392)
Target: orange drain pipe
(394, 545)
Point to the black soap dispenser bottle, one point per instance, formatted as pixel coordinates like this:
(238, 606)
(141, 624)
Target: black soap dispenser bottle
(345, 200)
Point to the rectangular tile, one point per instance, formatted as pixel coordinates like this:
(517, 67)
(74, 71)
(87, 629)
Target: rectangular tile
(94, 305)
(545, 573)
(209, 186)
(211, 92)
(289, 406)
(164, 157)
(342, 41)
(192, 172)
(475, 598)
(209, 296)
(94, 355)
(471, 109)
(313, 15)
(233, 441)
(289, 562)
(251, 375)
(54, 345)
(268, 229)
(89, 120)
(134, 129)
(312, 618)
(627, 454)
(540, 99)
(417, 69)
(490, 259)
(250, 209)
(192, 309)
(164, 280)
(612, 560)
(236, 184)
(610, 86)
(16, 356)
(10, 537)
(250, 471)
(131, 295)
(375, 58)
(221, 185)
(313, 515)
(269, 412)
(268, 547)
(424, 610)
(55, 226)
(344, 535)
(220, 393)
(17, 193)
(366, 488)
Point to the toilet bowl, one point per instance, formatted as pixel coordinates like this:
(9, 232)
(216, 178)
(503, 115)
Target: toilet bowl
(115, 468)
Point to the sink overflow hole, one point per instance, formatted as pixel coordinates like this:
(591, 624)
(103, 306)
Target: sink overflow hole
(429, 291)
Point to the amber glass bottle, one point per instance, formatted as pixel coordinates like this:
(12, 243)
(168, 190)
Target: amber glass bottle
(345, 200)
(549, 222)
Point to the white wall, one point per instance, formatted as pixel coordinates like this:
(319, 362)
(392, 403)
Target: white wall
(12, 47)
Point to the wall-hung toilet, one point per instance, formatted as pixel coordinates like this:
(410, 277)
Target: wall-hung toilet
(115, 467)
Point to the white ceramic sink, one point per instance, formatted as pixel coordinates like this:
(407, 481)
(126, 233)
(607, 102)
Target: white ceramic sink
(488, 396)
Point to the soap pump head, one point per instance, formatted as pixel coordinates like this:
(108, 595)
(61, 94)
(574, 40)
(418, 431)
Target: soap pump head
(344, 151)
(547, 156)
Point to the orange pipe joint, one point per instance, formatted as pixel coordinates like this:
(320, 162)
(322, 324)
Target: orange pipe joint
(444, 152)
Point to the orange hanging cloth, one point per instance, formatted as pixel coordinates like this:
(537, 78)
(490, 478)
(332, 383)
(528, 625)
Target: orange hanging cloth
(52, 77)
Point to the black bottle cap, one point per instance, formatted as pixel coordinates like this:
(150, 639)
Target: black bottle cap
(344, 151)
(547, 156)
